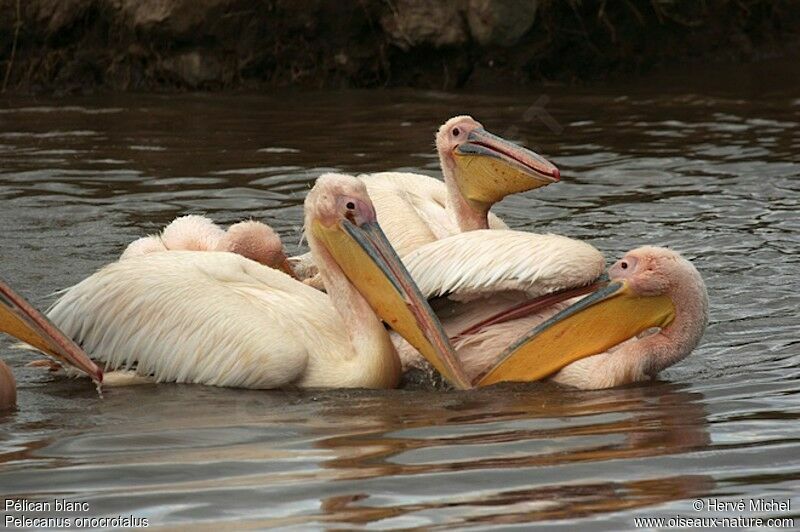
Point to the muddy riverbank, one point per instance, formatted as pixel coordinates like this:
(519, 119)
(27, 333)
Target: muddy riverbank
(84, 45)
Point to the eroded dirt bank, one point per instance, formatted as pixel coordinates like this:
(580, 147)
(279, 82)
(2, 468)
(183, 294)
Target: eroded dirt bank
(80, 45)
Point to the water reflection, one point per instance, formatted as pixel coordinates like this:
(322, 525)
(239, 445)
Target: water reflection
(510, 454)
(527, 430)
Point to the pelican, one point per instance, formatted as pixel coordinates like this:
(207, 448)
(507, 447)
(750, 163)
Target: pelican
(517, 316)
(218, 318)
(20, 320)
(479, 170)
(251, 239)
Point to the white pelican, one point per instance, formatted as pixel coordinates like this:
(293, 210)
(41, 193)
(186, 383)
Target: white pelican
(251, 239)
(218, 318)
(20, 320)
(479, 170)
(501, 333)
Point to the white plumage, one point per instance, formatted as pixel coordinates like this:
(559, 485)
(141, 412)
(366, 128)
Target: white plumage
(490, 278)
(204, 317)
(485, 272)
(221, 319)
(412, 209)
(479, 169)
(485, 262)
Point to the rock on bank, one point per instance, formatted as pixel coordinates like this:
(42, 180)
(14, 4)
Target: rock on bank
(79, 45)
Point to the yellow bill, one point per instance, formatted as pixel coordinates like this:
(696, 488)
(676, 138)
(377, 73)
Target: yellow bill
(368, 260)
(491, 168)
(20, 320)
(591, 326)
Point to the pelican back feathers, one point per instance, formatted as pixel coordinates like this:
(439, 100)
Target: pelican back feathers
(203, 317)
(485, 262)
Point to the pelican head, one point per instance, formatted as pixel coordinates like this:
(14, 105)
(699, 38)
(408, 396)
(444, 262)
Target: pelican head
(341, 221)
(652, 272)
(486, 167)
(258, 242)
(650, 290)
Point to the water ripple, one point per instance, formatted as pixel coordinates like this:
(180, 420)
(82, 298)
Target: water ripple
(715, 176)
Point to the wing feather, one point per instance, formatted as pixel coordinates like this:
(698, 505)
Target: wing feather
(482, 263)
(199, 317)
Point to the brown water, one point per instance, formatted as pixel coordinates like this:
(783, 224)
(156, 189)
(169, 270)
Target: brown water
(708, 166)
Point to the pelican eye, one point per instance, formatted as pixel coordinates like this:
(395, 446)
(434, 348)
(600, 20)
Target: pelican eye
(456, 132)
(623, 265)
(350, 205)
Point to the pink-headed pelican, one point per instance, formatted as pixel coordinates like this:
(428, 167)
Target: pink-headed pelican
(218, 318)
(511, 308)
(251, 239)
(479, 170)
(20, 320)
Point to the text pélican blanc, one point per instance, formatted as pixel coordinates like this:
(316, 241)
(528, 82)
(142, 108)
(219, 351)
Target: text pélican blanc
(63, 506)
